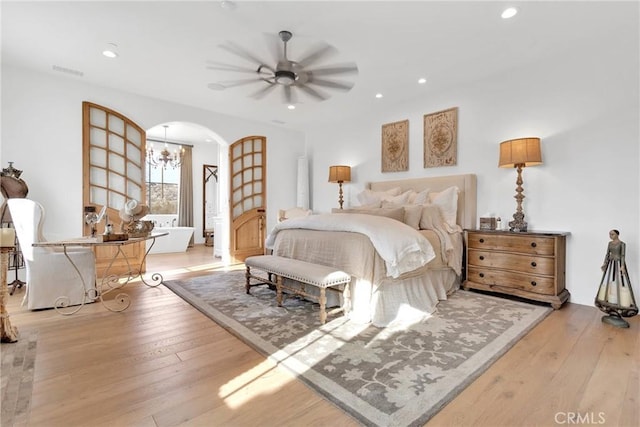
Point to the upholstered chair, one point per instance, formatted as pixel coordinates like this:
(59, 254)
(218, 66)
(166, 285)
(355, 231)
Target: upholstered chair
(284, 214)
(50, 274)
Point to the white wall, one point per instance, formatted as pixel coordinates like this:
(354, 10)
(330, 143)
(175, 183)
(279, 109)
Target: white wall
(583, 106)
(42, 133)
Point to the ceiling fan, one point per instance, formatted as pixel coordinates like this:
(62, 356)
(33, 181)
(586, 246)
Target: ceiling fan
(287, 74)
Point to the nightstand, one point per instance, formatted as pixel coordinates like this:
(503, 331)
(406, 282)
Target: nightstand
(525, 264)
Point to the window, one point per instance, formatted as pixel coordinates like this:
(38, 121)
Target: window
(163, 178)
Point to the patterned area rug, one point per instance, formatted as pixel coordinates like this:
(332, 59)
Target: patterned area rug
(399, 375)
(18, 361)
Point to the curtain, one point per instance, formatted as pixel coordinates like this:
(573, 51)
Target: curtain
(185, 202)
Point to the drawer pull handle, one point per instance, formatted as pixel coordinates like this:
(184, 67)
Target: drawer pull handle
(481, 274)
(481, 257)
(481, 240)
(534, 244)
(533, 264)
(533, 283)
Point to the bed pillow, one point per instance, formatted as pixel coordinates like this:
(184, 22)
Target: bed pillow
(447, 201)
(396, 213)
(419, 198)
(412, 213)
(368, 197)
(431, 218)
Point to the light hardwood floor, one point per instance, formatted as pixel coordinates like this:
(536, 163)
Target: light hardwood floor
(163, 363)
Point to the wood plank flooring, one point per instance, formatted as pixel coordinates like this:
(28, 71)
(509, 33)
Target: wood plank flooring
(162, 363)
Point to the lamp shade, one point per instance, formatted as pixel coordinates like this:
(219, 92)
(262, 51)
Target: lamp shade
(339, 173)
(521, 151)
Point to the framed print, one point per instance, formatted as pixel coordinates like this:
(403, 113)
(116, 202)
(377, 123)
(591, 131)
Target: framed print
(395, 146)
(441, 138)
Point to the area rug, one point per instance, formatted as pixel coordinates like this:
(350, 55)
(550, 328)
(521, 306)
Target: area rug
(400, 375)
(18, 361)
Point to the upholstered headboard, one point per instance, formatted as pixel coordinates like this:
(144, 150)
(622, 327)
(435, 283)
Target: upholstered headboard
(467, 198)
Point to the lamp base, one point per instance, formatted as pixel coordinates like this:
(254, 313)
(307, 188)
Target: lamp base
(616, 321)
(518, 224)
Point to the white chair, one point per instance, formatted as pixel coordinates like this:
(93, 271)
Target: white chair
(284, 214)
(50, 275)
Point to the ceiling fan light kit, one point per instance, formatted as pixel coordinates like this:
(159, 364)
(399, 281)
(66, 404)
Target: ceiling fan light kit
(291, 76)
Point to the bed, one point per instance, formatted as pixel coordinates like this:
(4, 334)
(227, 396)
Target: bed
(391, 281)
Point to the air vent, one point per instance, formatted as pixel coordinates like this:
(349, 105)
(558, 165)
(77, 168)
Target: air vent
(68, 71)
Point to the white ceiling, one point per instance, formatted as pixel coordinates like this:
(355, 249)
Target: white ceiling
(164, 47)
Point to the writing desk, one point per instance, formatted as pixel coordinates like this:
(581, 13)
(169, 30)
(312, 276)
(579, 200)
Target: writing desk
(109, 282)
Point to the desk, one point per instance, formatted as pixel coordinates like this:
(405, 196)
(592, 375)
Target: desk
(109, 282)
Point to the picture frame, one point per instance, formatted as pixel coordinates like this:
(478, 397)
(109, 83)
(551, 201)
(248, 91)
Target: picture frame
(395, 146)
(441, 138)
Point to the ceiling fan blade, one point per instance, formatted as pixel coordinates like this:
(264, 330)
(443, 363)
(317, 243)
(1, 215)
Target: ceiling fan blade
(329, 83)
(228, 67)
(342, 69)
(242, 82)
(241, 52)
(321, 51)
(264, 91)
(314, 93)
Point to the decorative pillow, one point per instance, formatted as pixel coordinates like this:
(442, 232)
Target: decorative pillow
(447, 201)
(368, 197)
(420, 198)
(412, 213)
(431, 218)
(396, 213)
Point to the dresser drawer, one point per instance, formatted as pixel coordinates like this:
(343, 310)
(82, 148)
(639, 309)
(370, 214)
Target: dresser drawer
(510, 261)
(504, 280)
(537, 245)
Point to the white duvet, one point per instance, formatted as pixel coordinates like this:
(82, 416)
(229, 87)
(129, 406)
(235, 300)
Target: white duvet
(402, 248)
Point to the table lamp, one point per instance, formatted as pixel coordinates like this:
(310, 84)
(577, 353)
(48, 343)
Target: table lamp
(340, 174)
(519, 153)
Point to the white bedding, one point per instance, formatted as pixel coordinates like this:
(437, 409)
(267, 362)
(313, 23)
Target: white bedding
(402, 248)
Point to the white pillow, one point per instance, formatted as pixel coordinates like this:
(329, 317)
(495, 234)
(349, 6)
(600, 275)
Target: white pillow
(447, 201)
(420, 198)
(370, 197)
(400, 199)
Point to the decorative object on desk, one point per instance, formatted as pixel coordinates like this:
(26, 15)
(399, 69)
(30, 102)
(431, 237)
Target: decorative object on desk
(395, 146)
(131, 223)
(91, 218)
(519, 153)
(113, 237)
(441, 138)
(615, 295)
(340, 174)
(488, 223)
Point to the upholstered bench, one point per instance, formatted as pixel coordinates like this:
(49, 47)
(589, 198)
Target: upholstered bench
(321, 276)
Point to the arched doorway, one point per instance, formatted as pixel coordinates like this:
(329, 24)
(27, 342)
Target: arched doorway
(208, 149)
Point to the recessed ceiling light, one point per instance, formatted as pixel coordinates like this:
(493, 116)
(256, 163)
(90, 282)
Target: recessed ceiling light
(422, 80)
(509, 12)
(111, 50)
(378, 95)
(291, 107)
(216, 86)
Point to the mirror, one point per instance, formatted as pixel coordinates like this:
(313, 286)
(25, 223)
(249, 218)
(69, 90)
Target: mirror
(209, 200)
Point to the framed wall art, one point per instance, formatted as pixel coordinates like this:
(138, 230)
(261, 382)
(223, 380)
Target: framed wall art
(441, 138)
(395, 146)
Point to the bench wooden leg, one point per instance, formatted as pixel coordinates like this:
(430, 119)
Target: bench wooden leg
(247, 275)
(279, 280)
(323, 305)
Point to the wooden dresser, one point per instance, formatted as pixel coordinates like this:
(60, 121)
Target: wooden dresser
(529, 264)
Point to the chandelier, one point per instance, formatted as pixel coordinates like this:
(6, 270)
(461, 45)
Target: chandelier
(165, 158)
